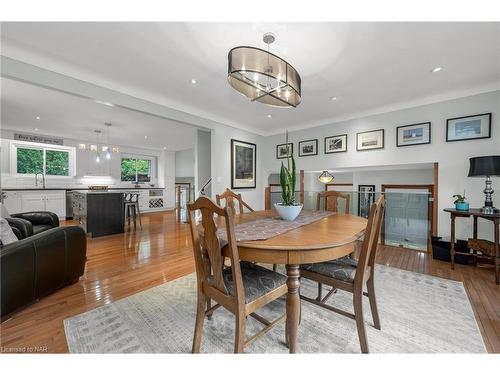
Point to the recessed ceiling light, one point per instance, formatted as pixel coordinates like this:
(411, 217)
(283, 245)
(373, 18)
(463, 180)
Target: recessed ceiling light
(165, 148)
(38, 117)
(269, 116)
(193, 81)
(333, 98)
(437, 69)
(145, 137)
(36, 129)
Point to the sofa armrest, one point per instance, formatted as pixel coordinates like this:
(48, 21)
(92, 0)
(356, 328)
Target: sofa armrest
(39, 218)
(38, 265)
(24, 227)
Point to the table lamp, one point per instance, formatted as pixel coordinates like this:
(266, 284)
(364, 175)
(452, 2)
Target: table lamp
(486, 166)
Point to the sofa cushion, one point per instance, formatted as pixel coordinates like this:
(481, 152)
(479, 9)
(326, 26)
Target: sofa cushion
(41, 228)
(7, 235)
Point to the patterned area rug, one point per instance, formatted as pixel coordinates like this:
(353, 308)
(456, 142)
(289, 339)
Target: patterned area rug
(419, 314)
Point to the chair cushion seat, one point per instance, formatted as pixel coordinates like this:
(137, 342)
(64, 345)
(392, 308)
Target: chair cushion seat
(257, 280)
(343, 269)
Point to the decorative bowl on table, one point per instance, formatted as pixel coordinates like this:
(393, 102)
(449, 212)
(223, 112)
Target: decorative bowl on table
(462, 206)
(288, 213)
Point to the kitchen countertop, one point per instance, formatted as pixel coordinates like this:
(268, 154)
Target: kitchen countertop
(96, 192)
(80, 189)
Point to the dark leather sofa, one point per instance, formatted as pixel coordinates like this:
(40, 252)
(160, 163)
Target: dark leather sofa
(40, 221)
(46, 258)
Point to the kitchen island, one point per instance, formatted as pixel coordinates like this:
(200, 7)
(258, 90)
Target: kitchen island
(100, 213)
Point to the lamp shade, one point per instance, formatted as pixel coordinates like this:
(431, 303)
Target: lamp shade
(483, 166)
(263, 77)
(325, 177)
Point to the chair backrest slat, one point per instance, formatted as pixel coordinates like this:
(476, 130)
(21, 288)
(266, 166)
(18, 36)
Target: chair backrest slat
(331, 200)
(209, 260)
(370, 242)
(230, 197)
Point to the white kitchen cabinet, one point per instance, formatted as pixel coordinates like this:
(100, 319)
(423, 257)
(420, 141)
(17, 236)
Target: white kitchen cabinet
(12, 202)
(56, 203)
(32, 202)
(37, 200)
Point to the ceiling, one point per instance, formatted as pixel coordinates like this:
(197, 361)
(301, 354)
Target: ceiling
(67, 116)
(369, 67)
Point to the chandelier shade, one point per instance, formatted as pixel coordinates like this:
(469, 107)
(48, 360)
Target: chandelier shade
(325, 177)
(263, 77)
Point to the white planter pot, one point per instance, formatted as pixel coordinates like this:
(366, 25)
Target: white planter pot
(288, 213)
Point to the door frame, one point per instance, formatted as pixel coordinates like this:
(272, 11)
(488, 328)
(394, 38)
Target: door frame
(431, 212)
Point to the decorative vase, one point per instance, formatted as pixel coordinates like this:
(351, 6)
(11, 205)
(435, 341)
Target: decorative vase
(288, 213)
(462, 206)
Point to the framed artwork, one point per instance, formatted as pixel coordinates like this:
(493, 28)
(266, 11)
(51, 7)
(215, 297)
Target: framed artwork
(414, 134)
(243, 165)
(468, 127)
(283, 152)
(366, 197)
(336, 143)
(371, 140)
(308, 148)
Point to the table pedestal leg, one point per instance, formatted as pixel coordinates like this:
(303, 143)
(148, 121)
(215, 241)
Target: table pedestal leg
(292, 306)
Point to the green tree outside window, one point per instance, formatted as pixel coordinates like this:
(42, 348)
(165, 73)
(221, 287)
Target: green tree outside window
(29, 160)
(136, 170)
(33, 160)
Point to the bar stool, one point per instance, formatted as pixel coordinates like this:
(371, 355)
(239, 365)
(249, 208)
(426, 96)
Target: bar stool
(131, 207)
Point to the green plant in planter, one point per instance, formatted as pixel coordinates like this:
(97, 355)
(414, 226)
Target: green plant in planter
(459, 198)
(288, 179)
(460, 202)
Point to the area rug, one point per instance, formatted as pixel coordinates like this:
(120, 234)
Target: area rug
(419, 314)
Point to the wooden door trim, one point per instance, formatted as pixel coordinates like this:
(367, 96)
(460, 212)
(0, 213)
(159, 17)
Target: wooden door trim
(337, 184)
(432, 212)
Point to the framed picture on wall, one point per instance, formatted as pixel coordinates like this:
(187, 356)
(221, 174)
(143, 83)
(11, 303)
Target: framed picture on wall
(415, 134)
(371, 140)
(336, 143)
(243, 165)
(366, 197)
(308, 148)
(468, 127)
(283, 152)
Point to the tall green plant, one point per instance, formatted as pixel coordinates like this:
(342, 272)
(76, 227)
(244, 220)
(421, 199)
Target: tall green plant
(288, 179)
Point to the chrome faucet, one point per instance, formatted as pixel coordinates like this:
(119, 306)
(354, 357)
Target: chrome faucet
(43, 179)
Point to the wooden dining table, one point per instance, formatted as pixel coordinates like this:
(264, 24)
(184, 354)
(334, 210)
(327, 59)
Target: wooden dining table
(329, 238)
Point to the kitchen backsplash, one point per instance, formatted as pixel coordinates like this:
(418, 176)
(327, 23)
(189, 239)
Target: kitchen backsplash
(10, 182)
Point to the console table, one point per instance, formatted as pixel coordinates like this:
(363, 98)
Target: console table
(476, 213)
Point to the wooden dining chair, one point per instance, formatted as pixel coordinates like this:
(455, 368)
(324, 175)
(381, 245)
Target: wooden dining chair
(350, 275)
(230, 197)
(241, 288)
(331, 200)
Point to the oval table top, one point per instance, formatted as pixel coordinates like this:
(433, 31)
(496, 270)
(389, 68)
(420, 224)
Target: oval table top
(312, 242)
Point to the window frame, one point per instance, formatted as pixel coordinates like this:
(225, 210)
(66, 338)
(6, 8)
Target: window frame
(152, 159)
(15, 145)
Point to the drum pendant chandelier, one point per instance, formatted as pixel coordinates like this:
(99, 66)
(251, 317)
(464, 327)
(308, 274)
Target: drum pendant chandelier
(263, 76)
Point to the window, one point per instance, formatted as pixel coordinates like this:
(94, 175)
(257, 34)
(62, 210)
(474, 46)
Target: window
(31, 158)
(136, 169)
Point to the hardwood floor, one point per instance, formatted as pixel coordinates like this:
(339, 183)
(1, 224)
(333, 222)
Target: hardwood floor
(124, 264)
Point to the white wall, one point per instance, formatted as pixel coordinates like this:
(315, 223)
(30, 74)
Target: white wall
(184, 163)
(202, 161)
(166, 177)
(452, 156)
